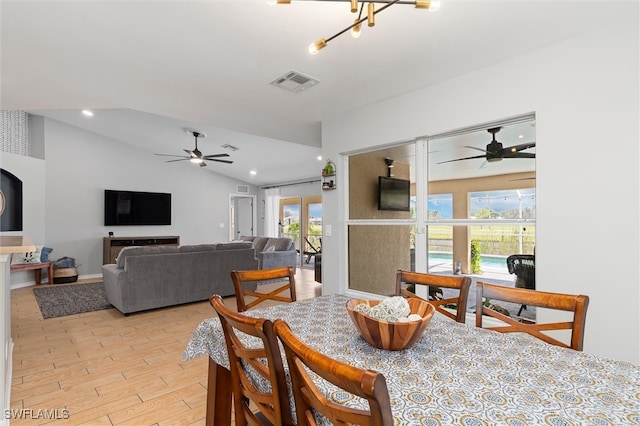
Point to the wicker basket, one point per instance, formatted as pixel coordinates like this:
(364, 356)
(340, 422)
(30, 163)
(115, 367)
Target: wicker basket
(65, 275)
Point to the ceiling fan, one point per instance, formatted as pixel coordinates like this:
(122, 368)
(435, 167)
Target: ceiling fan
(495, 151)
(195, 156)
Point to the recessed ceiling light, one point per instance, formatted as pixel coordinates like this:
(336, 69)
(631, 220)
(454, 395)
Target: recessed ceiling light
(319, 157)
(87, 113)
(520, 136)
(253, 172)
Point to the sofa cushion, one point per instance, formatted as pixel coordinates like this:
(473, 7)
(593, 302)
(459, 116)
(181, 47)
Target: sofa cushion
(280, 244)
(259, 243)
(197, 248)
(237, 245)
(138, 250)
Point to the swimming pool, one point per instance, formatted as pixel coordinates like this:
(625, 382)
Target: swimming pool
(486, 261)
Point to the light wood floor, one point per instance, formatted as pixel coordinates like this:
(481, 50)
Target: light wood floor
(108, 369)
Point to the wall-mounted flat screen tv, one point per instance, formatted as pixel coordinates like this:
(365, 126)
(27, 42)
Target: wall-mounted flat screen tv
(393, 194)
(136, 208)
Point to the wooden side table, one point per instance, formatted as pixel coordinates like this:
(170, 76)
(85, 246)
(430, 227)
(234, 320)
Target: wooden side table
(37, 268)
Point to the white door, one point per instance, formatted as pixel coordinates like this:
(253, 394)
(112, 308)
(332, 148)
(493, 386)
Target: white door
(244, 216)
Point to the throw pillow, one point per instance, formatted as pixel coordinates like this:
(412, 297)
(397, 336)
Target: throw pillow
(259, 243)
(270, 248)
(28, 257)
(280, 244)
(44, 254)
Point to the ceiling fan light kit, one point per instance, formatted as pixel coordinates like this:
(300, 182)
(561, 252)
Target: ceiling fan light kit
(195, 155)
(355, 28)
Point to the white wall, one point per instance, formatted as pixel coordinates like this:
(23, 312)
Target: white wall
(584, 92)
(64, 195)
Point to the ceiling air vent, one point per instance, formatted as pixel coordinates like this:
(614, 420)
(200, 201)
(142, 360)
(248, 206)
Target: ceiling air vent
(242, 189)
(293, 81)
(230, 147)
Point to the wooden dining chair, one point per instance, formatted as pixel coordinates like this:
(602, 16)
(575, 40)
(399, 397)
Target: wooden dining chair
(565, 302)
(273, 406)
(241, 278)
(308, 398)
(460, 283)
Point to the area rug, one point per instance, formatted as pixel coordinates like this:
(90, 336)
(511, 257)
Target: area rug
(62, 300)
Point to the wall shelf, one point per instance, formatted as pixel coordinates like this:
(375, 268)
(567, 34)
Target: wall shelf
(329, 180)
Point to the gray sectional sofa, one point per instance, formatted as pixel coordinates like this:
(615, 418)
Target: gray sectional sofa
(158, 276)
(274, 252)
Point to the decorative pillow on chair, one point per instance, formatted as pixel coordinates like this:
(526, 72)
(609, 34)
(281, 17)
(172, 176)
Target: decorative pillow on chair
(28, 257)
(270, 248)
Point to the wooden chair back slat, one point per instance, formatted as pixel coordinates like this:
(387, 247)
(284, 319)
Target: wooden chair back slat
(577, 304)
(460, 283)
(240, 278)
(273, 407)
(366, 384)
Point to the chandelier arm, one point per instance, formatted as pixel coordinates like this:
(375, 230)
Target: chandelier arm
(359, 21)
(372, 1)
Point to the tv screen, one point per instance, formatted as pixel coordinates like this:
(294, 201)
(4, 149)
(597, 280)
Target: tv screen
(393, 194)
(136, 208)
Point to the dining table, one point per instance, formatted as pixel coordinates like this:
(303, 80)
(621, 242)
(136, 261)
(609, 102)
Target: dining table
(455, 374)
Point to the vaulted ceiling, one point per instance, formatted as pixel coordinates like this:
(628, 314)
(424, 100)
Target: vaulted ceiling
(151, 69)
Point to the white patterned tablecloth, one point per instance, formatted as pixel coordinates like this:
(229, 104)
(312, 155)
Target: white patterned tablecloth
(457, 374)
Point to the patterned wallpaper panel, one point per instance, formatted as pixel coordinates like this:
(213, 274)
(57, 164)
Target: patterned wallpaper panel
(15, 132)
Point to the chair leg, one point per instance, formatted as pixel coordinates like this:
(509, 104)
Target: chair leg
(521, 308)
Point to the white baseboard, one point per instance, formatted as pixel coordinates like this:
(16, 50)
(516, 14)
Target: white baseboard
(15, 286)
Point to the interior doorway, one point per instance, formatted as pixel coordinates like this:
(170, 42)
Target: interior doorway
(242, 215)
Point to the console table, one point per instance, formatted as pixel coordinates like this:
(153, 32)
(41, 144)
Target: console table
(111, 246)
(37, 268)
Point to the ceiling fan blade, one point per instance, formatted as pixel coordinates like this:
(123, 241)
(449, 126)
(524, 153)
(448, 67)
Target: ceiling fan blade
(520, 155)
(518, 148)
(189, 152)
(179, 159)
(202, 164)
(208, 157)
(170, 155)
(465, 158)
(477, 149)
(220, 161)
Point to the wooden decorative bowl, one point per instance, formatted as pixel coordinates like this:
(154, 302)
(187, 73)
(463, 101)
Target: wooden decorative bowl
(392, 336)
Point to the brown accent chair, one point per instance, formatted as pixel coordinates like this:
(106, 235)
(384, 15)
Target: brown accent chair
(565, 302)
(240, 278)
(456, 282)
(273, 406)
(366, 384)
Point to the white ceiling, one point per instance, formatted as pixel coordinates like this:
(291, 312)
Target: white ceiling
(149, 69)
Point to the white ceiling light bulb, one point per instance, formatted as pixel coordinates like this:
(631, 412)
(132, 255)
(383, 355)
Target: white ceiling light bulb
(435, 5)
(196, 160)
(87, 113)
(253, 172)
